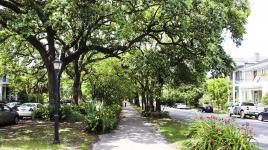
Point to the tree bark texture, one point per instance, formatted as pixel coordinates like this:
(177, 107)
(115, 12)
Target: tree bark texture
(77, 92)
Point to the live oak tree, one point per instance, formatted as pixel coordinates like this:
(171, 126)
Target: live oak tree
(78, 69)
(24, 69)
(150, 70)
(108, 82)
(70, 28)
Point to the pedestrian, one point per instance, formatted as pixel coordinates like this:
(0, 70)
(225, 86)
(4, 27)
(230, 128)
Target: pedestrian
(125, 103)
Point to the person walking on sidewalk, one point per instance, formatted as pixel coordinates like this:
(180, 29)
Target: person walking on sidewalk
(125, 103)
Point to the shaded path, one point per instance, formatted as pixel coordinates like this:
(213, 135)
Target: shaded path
(132, 133)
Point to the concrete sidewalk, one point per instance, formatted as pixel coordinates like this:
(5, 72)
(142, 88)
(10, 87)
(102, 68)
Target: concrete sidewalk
(132, 133)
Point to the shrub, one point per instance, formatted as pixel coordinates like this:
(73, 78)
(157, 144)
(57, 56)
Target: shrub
(74, 116)
(212, 133)
(264, 100)
(157, 114)
(65, 110)
(41, 112)
(103, 118)
(71, 113)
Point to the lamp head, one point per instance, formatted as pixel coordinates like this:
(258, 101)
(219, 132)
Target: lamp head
(57, 64)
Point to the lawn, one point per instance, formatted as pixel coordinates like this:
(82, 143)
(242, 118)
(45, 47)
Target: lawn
(174, 131)
(38, 135)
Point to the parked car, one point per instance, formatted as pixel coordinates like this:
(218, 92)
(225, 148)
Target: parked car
(244, 109)
(8, 115)
(13, 104)
(206, 108)
(181, 106)
(26, 109)
(263, 115)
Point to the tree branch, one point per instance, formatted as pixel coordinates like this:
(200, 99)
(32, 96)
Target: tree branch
(14, 6)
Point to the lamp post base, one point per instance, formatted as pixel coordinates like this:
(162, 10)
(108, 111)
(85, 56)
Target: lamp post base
(56, 128)
(56, 142)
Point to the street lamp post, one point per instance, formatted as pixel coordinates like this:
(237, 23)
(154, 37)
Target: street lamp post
(57, 66)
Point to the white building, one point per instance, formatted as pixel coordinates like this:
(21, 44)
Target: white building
(250, 81)
(3, 88)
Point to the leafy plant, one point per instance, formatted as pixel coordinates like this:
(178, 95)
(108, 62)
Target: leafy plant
(71, 113)
(212, 133)
(41, 112)
(102, 118)
(264, 100)
(157, 114)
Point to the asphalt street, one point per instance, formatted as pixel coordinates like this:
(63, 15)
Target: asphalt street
(260, 129)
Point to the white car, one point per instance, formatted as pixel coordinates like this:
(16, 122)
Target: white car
(245, 109)
(26, 109)
(181, 106)
(13, 104)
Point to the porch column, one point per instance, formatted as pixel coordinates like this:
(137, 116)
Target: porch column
(233, 84)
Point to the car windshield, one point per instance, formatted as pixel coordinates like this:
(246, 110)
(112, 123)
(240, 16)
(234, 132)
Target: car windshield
(247, 104)
(28, 105)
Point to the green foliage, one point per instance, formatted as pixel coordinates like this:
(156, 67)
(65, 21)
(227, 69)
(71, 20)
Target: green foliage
(185, 93)
(101, 118)
(109, 83)
(157, 114)
(213, 133)
(264, 99)
(41, 112)
(69, 113)
(219, 90)
(186, 34)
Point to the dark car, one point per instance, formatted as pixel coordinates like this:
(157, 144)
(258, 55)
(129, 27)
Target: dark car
(206, 108)
(8, 115)
(263, 115)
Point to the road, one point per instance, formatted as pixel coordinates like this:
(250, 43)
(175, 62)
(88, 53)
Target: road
(260, 129)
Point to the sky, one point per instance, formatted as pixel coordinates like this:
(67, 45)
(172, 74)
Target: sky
(256, 38)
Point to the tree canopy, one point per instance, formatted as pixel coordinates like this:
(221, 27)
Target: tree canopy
(190, 29)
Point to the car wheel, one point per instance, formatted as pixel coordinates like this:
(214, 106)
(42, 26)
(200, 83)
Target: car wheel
(16, 120)
(242, 115)
(21, 117)
(260, 117)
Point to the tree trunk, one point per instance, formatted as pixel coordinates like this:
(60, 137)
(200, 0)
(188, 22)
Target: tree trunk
(157, 104)
(151, 101)
(137, 102)
(143, 95)
(51, 84)
(77, 92)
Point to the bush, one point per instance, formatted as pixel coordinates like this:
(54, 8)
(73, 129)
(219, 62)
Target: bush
(71, 113)
(97, 117)
(102, 119)
(74, 116)
(212, 133)
(41, 112)
(264, 100)
(161, 114)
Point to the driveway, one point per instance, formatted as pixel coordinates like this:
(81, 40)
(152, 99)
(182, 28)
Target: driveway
(260, 129)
